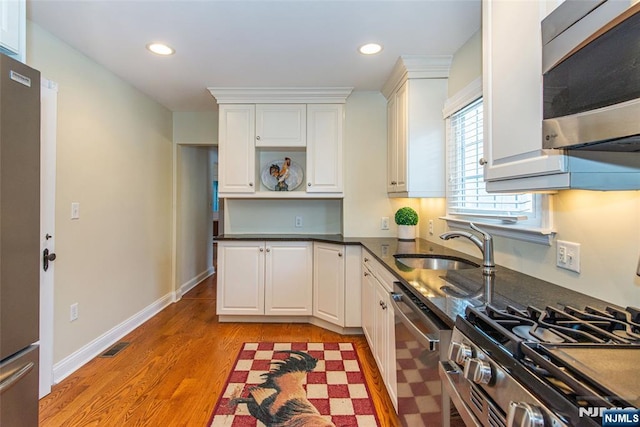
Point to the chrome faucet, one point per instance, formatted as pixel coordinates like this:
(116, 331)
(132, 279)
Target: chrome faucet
(488, 264)
(485, 245)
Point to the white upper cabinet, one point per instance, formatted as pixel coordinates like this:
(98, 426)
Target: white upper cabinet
(13, 28)
(416, 93)
(236, 149)
(261, 127)
(325, 131)
(512, 98)
(281, 125)
(512, 95)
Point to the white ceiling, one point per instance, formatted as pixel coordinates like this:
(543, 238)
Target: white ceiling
(242, 43)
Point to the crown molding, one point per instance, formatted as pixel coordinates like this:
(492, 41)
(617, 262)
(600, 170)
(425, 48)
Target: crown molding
(280, 95)
(417, 67)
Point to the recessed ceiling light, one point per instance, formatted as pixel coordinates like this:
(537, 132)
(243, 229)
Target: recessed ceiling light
(370, 49)
(160, 49)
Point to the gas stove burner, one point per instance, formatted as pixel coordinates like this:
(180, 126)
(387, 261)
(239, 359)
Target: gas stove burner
(537, 334)
(567, 358)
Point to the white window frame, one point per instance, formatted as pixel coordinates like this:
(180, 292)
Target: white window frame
(538, 229)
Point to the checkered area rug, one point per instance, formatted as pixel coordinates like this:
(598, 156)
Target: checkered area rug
(335, 387)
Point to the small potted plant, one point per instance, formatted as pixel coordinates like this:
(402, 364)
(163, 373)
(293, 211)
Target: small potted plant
(407, 219)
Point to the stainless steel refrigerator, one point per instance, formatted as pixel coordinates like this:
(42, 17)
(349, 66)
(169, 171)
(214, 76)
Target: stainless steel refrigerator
(20, 258)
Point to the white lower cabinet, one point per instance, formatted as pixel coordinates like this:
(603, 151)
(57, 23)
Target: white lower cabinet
(288, 278)
(378, 321)
(329, 282)
(264, 278)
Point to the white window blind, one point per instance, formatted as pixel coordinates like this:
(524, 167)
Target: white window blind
(466, 195)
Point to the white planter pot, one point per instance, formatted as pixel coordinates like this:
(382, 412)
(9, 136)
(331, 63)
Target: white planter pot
(407, 232)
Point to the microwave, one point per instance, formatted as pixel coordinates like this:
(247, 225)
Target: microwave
(591, 76)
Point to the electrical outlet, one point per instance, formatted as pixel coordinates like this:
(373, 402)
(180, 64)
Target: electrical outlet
(298, 221)
(384, 223)
(568, 255)
(73, 312)
(430, 227)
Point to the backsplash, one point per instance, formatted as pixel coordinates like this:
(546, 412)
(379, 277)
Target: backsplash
(607, 226)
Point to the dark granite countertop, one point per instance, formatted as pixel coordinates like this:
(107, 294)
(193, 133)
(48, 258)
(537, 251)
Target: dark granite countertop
(511, 287)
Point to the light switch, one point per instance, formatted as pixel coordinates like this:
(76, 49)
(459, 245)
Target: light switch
(568, 255)
(75, 210)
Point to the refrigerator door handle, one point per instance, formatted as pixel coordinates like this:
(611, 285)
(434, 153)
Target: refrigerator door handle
(15, 377)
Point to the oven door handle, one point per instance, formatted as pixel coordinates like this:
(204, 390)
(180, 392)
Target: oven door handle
(431, 342)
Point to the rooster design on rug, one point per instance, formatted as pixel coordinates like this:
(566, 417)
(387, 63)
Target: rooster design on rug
(281, 400)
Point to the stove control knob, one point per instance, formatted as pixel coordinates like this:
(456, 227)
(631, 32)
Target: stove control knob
(522, 414)
(460, 353)
(478, 371)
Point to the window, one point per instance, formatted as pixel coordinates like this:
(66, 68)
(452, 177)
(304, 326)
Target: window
(518, 215)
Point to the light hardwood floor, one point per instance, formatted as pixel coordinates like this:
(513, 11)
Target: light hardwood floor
(176, 366)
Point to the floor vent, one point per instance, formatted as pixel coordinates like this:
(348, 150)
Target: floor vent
(117, 348)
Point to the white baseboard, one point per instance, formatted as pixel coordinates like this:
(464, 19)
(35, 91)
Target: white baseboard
(77, 359)
(186, 287)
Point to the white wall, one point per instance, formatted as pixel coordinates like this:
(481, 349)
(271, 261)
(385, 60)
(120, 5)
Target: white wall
(114, 157)
(242, 216)
(606, 224)
(466, 64)
(366, 201)
(194, 237)
(195, 135)
(197, 128)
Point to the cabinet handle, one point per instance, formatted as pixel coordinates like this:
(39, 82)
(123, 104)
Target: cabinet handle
(258, 137)
(384, 305)
(268, 249)
(482, 161)
(366, 274)
(339, 253)
(308, 184)
(261, 249)
(366, 259)
(393, 182)
(251, 184)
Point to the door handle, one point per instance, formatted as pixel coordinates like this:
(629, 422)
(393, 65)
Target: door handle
(46, 258)
(15, 377)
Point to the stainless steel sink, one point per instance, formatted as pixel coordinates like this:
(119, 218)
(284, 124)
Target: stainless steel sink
(433, 262)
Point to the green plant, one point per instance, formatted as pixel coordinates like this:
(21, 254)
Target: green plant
(406, 216)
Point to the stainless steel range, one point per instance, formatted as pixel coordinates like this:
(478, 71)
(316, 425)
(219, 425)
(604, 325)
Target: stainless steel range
(552, 367)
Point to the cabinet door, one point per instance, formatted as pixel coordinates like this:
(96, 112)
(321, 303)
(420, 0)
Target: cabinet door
(391, 379)
(288, 278)
(380, 329)
(397, 122)
(368, 306)
(512, 96)
(328, 282)
(392, 145)
(402, 136)
(324, 148)
(240, 278)
(281, 125)
(236, 149)
(11, 25)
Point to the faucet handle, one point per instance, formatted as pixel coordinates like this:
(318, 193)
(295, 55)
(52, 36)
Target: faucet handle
(485, 234)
